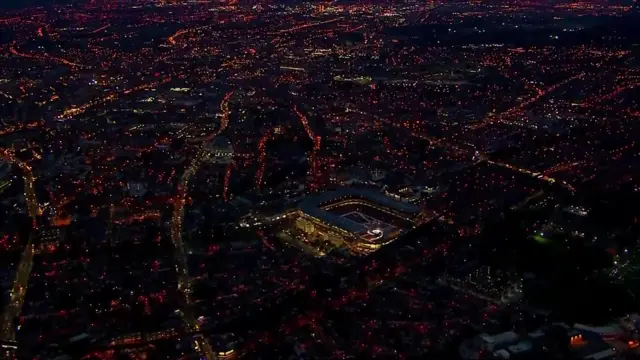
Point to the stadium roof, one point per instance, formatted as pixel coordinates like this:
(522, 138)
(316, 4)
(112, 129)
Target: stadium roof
(311, 206)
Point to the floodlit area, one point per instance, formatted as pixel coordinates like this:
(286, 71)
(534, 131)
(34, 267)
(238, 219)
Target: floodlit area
(349, 220)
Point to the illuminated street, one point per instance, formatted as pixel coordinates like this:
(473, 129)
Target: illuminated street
(23, 271)
(446, 180)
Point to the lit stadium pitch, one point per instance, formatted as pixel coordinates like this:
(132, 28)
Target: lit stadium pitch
(375, 228)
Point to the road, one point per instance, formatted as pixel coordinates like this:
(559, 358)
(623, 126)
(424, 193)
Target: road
(317, 141)
(77, 110)
(481, 156)
(23, 271)
(500, 118)
(15, 52)
(202, 344)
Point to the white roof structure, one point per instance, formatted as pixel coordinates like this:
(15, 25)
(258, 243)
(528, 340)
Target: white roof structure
(502, 338)
(604, 354)
(522, 346)
(610, 330)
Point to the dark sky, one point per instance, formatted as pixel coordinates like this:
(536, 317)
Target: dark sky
(15, 4)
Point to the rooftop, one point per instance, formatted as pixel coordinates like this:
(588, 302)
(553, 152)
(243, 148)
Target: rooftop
(313, 206)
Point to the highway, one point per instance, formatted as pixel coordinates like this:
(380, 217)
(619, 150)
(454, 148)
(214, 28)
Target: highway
(23, 271)
(184, 281)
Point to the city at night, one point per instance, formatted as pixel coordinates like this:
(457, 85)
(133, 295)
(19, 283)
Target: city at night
(246, 179)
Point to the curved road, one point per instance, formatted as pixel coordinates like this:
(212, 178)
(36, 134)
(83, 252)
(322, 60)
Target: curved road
(23, 271)
(184, 281)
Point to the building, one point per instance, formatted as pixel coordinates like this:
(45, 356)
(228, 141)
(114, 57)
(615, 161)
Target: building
(377, 175)
(5, 168)
(136, 189)
(483, 282)
(48, 239)
(582, 342)
(587, 345)
(498, 341)
(520, 348)
(220, 150)
(363, 219)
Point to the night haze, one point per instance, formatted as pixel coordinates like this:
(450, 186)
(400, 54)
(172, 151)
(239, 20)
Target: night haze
(22, 4)
(248, 179)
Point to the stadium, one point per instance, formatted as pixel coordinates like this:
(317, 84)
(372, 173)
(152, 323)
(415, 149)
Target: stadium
(361, 219)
